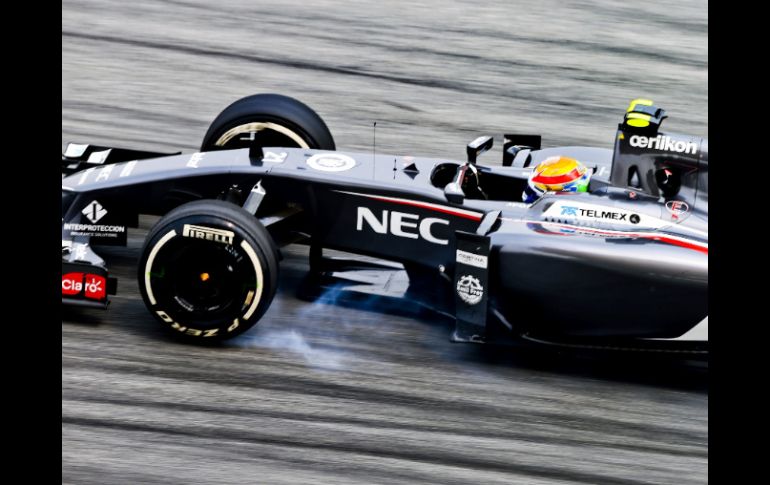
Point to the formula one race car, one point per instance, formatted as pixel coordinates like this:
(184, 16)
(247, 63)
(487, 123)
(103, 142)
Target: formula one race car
(623, 264)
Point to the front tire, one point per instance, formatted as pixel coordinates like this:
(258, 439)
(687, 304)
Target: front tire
(208, 271)
(268, 120)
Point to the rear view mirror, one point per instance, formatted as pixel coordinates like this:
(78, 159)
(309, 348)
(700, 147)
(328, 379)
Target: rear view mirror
(479, 146)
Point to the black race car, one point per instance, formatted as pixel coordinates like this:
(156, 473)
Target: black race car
(623, 265)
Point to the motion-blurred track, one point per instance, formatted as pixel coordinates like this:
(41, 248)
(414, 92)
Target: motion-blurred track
(320, 393)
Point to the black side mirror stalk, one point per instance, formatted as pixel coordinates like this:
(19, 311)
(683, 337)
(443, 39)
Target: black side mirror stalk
(454, 189)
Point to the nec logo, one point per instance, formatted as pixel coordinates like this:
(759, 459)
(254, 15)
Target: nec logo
(401, 224)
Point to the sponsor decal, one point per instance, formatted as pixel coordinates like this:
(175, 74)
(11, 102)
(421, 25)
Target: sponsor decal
(518, 205)
(71, 283)
(95, 230)
(597, 213)
(186, 305)
(678, 209)
(96, 222)
(94, 286)
(98, 158)
(331, 162)
(195, 160)
(104, 173)
(469, 289)
(94, 212)
(75, 151)
(572, 211)
(193, 331)
(566, 230)
(208, 234)
(79, 252)
(567, 210)
(472, 259)
(400, 224)
(272, 157)
(664, 143)
(85, 175)
(127, 169)
(250, 136)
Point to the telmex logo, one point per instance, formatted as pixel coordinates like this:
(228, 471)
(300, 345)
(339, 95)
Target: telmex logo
(567, 210)
(400, 224)
(664, 143)
(208, 234)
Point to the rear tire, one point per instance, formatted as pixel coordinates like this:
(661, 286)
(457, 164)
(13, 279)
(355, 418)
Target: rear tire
(208, 271)
(268, 120)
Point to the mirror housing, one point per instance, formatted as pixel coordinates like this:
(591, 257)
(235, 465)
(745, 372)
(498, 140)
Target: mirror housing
(479, 146)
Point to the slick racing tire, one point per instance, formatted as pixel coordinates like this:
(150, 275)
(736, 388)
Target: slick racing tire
(208, 270)
(268, 120)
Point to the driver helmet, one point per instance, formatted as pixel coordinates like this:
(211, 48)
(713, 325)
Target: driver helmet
(556, 174)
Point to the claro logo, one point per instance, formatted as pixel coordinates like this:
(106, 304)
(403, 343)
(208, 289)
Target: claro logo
(95, 286)
(401, 224)
(664, 143)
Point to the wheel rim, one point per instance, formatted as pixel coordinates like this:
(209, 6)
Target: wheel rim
(261, 134)
(204, 279)
(201, 282)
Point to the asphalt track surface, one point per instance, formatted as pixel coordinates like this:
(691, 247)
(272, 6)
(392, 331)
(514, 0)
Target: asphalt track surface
(329, 393)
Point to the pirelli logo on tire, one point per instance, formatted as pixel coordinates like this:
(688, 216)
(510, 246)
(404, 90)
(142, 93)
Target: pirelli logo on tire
(208, 234)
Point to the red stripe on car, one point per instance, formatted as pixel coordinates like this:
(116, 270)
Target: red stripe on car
(465, 214)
